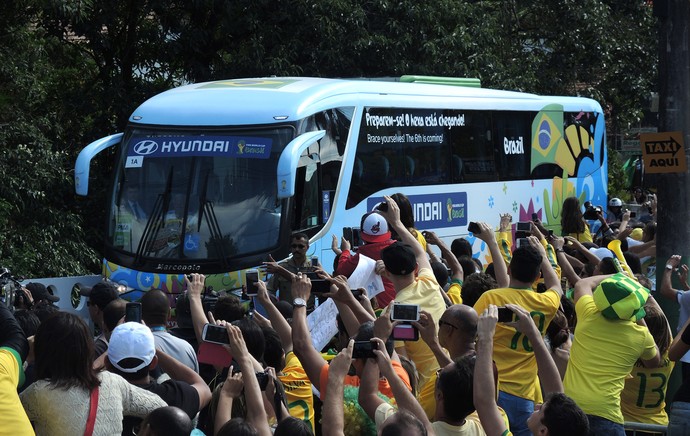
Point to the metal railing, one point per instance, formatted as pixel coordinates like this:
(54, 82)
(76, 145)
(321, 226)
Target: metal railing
(640, 428)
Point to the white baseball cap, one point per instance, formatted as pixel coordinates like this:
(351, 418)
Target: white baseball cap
(374, 228)
(131, 340)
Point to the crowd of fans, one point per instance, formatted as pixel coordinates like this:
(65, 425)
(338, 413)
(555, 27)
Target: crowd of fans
(549, 334)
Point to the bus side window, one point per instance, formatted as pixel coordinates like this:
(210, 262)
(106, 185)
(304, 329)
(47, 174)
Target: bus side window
(512, 143)
(472, 151)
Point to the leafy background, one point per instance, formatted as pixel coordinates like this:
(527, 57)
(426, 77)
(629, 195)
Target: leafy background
(71, 71)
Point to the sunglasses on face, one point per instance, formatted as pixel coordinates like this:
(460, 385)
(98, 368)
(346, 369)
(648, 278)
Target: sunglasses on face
(300, 246)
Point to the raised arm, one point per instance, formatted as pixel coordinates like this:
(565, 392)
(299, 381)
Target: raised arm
(548, 373)
(427, 331)
(666, 289)
(232, 388)
(485, 397)
(195, 287)
(178, 371)
(278, 321)
(566, 268)
(500, 268)
(455, 268)
(551, 280)
(311, 359)
(333, 411)
(392, 215)
(403, 396)
(256, 414)
(345, 300)
(586, 286)
(368, 389)
(591, 257)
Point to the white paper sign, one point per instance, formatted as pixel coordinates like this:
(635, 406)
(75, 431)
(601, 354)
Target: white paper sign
(322, 324)
(364, 276)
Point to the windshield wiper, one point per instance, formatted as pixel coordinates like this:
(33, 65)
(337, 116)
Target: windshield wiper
(155, 222)
(206, 209)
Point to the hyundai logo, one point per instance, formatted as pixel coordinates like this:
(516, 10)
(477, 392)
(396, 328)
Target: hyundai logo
(145, 147)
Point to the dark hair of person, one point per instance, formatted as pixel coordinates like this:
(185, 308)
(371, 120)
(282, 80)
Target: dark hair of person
(113, 313)
(155, 308)
(406, 215)
(658, 327)
(633, 261)
(403, 423)
(411, 370)
(130, 362)
(571, 216)
(475, 285)
(468, 265)
(568, 308)
(366, 332)
(557, 331)
(45, 310)
(64, 352)
(228, 308)
(336, 262)
(292, 426)
(607, 266)
(461, 247)
(167, 421)
(440, 273)
(490, 270)
(456, 386)
(478, 262)
(300, 236)
(253, 336)
(525, 265)
(237, 427)
(273, 351)
(28, 321)
(563, 417)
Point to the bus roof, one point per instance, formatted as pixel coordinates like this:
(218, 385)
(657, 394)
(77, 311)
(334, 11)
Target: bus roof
(278, 99)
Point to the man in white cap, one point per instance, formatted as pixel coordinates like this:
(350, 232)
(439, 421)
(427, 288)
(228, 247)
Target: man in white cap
(376, 236)
(132, 353)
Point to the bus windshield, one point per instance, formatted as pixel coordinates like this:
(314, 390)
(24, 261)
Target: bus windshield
(208, 195)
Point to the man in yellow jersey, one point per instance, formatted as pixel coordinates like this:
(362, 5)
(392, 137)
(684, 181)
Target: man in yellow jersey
(407, 266)
(610, 337)
(557, 416)
(513, 351)
(13, 351)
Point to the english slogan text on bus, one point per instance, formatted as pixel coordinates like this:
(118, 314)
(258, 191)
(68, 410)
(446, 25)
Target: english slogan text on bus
(663, 152)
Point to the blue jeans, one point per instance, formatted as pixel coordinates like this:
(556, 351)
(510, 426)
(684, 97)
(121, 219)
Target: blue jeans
(518, 410)
(679, 419)
(602, 426)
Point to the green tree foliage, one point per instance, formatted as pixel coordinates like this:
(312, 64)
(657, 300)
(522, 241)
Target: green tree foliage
(37, 207)
(72, 71)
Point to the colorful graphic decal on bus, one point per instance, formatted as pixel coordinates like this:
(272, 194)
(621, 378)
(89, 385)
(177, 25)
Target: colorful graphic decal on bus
(570, 139)
(170, 283)
(184, 146)
(566, 145)
(433, 211)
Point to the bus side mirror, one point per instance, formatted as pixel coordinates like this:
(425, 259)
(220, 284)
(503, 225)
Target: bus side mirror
(81, 167)
(289, 158)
